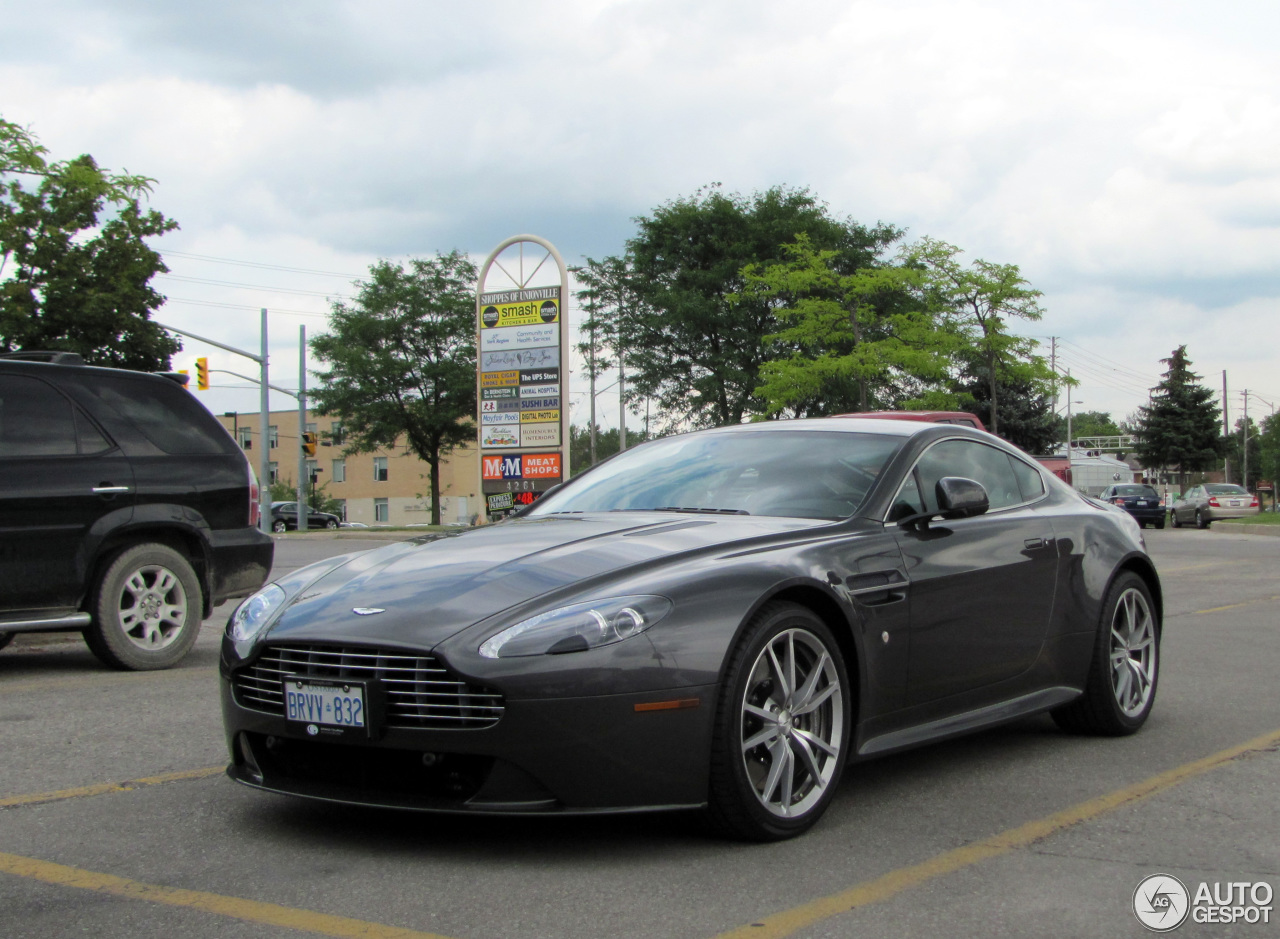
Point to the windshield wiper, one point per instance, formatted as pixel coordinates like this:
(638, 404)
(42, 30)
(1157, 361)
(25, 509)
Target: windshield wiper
(699, 511)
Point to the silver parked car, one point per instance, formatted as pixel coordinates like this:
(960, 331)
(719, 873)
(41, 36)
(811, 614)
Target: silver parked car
(1211, 502)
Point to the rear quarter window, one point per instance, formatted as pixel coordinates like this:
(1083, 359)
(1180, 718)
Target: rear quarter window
(165, 414)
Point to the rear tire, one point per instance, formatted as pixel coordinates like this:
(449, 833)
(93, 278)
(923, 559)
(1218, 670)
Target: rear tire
(147, 609)
(782, 727)
(1201, 521)
(279, 525)
(331, 524)
(1159, 523)
(1125, 668)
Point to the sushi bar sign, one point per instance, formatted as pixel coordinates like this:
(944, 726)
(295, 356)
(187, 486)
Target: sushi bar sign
(522, 376)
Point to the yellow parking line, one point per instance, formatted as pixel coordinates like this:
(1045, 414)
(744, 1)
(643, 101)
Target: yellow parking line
(1233, 606)
(250, 911)
(894, 882)
(100, 788)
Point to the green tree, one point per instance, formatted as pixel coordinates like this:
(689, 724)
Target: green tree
(75, 270)
(980, 300)
(401, 361)
(1269, 452)
(1090, 424)
(704, 342)
(1026, 411)
(847, 341)
(1180, 428)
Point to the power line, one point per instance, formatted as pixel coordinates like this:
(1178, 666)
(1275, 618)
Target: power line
(257, 264)
(229, 283)
(245, 306)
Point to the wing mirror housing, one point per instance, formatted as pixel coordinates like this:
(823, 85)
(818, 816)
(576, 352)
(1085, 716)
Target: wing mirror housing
(961, 498)
(957, 497)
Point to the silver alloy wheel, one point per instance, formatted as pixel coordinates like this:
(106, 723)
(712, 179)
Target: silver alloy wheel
(792, 723)
(153, 607)
(1133, 652)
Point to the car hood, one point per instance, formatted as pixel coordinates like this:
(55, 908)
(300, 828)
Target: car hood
(424, 592)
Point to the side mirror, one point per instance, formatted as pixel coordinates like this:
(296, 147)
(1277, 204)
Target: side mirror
(960, 498)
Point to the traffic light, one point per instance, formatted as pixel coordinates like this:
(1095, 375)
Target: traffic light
(202, 373)
(309, 445)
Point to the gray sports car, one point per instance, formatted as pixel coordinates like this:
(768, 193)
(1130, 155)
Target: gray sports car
(721, 620)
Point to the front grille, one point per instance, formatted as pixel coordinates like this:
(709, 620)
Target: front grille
(420, 693)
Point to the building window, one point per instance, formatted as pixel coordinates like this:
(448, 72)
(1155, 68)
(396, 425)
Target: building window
(313, 467)
(246, 438)
(381, 510)
(272, 471)
(311, 427)
(380, 468)
(339, 508)
(273, 435)
(337, 434)
(339, 471)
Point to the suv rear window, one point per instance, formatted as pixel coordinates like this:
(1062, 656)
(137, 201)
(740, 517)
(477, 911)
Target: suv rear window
(1136, 491)
(165, 414)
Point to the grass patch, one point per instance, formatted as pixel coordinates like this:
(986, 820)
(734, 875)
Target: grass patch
(1264, 518)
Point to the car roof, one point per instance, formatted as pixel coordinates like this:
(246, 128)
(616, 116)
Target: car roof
(828, 424)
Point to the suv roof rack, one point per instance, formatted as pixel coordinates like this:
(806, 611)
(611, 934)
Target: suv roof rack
(53, 357)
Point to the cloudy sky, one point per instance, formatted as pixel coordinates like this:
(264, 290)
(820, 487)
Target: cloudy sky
(1125, 154)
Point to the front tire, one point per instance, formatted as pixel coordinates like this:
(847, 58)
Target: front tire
(1125, 668)
(331, 524)
(1174, 520)
(278, 525)
(146, 609)
(782, 727)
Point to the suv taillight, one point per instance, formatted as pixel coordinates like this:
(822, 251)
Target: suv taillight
(255, 510)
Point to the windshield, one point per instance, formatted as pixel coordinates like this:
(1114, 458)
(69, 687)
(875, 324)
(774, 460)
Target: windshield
(800, 474)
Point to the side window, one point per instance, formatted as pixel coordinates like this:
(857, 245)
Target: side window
(167, 416)
(35, 420)
(1029, 480)
(972, 460)
(91, 439)
(907, 502)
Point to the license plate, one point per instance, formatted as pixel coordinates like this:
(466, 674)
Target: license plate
(1235, 502)
(1141, 502)
(326, 704)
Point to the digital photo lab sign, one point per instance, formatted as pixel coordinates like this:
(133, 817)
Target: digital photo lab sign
(521, 381)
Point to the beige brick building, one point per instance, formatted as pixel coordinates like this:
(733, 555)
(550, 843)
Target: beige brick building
(386, 487)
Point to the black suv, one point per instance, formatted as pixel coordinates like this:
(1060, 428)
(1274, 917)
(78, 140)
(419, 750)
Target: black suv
(126, 510)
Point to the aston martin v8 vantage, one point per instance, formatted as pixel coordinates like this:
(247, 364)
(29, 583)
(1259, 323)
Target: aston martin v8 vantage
(721, 620)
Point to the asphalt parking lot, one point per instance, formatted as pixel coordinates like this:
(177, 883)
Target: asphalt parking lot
(115, 819)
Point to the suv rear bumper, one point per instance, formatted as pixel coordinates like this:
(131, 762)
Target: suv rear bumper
(241, 562)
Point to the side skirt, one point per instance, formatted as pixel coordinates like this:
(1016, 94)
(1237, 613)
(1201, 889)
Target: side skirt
(969, 721)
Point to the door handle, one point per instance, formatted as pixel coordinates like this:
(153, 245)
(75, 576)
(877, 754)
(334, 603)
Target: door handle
(1033, 543)
(108, 490)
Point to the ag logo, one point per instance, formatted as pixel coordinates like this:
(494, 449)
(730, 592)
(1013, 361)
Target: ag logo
(1161, 902)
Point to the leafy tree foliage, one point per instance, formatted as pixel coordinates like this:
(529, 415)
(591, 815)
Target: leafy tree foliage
(847, 341)
(682, 299)
(75, 268)
(1181, 425)
(979, 300)
(1269, 451)
(1090, 424)
(401, 361)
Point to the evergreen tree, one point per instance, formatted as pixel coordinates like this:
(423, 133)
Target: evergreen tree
(1180, 428)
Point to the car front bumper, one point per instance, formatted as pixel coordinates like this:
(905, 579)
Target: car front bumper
(607, 753)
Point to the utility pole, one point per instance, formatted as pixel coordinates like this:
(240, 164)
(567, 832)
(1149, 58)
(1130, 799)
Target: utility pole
(1226, 428)
(302, 428)
(591, 367)
(622, 403)
(264, 479)
(1244, 440)
(1053, 367)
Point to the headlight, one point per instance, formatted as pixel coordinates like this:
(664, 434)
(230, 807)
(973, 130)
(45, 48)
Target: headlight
(578, 627)
(249, 618)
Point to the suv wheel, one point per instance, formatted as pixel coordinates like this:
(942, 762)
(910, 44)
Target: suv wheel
(146, 609)
(278, 525)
